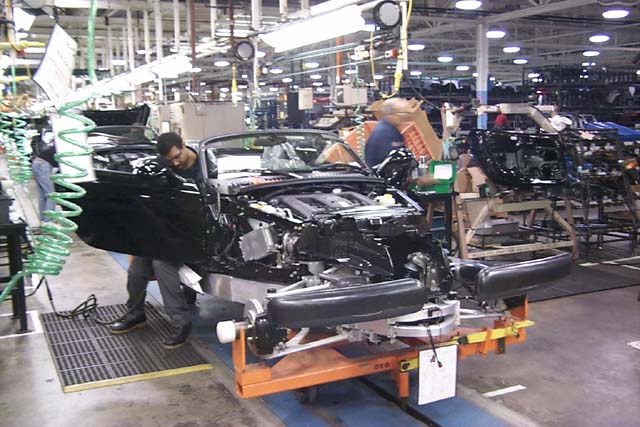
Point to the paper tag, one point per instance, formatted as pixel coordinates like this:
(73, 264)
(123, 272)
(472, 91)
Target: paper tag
(437, 383)
(56, 69)
(443, 172)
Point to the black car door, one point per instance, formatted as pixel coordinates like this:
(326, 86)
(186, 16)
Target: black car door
(159, 216)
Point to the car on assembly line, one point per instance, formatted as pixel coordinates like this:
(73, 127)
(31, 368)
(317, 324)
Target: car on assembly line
(296, 227)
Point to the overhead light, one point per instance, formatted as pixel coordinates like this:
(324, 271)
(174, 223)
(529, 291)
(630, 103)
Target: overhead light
(35, 50)
(378, 77)
(520, 61)
(262, 84)
(287, 80)
(118, 62)
(224, 89)
(511, 49)
(221, 63)
(616, 13)
(462, 68)
(493, 79)
(591, 53)
(273, 89)
(208, 91)
(203, 83)
(311, 65)
(260, 54)
(637, 72)
(599, 38)
(22, 20)
(276, 71)
(468, 4)
(315, 76)
(242, 86)
(533, 75)
(445, 58)
(315, 29)
(416, 46)
(317, 84)
(196, 70)
(415, 73)
(320, 90)
(474, 74)
(495, 34)
(350, 71)
(141, 51)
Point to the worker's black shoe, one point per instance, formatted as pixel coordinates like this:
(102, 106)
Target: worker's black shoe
(130, 321)
(178, 337)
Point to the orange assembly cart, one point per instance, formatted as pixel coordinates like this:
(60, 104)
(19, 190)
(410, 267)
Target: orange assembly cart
(299, 371)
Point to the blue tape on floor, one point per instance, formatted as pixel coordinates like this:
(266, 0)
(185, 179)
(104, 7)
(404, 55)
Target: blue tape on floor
(344, 403)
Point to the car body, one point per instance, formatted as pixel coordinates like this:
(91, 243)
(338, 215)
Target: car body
(296, 227)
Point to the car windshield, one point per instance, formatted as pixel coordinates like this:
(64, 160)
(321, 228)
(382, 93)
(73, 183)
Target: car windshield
(122, 134)
(279, 152)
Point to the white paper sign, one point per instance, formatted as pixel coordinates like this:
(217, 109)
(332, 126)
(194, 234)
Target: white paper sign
(56, 69)
(442, 172)
(305, 98)
(235, 163)
(437, 383)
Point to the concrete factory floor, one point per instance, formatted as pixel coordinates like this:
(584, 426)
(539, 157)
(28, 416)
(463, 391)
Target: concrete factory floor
(575, 369)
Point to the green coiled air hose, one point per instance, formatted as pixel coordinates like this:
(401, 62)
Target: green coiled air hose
(52, 246)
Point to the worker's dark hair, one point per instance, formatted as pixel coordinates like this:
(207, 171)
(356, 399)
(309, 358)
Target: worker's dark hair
(168, 140)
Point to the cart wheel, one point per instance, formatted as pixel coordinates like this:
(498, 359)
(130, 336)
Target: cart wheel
(306, 395)
(189, 295)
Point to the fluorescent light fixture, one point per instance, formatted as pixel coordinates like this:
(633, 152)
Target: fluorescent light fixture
(203, 83)
(223, 95)
(378, 76)
(262, 83)
(520, 61)
(415, 73)
(311, 65)
(462, 68)
(320, 90)
(224, 89)
(416, 46)
(591, 53)
(242, 86)
(315, 76)
(511, 49)
(276, 71)
(616, 13)
(317, 84)
(599, 38)
(141, 51)
(260, 54)
(245, 76)
(118, 62)
(493, 79)
(22, 20)
(287, 80)
(495, 34)
(35, 50)
(468, 4)
(350, 71)
(273, 89)
(474, 74)
(637, 72)
(445, 58)
(315, 29)
(196, 70)
(208, 91)
(533, 75)
(221, 63)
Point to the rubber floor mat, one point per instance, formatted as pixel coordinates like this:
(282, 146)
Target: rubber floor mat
(87, 356)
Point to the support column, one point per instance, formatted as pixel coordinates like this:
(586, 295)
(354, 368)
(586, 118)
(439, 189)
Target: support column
(213, 12)
(131, 55)
(125, 49)
(109, 49)
(147, 41)
(158, 21)
(176, 25)
(482, 68)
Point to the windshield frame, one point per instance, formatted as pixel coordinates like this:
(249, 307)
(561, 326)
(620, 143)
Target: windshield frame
(212, 142)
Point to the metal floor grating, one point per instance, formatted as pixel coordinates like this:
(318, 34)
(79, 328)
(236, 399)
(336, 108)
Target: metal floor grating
(87, 356)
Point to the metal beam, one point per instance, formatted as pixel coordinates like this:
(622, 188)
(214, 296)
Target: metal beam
(537, 10)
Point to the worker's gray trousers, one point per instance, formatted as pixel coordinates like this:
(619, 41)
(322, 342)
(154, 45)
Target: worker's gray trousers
(138, 274)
